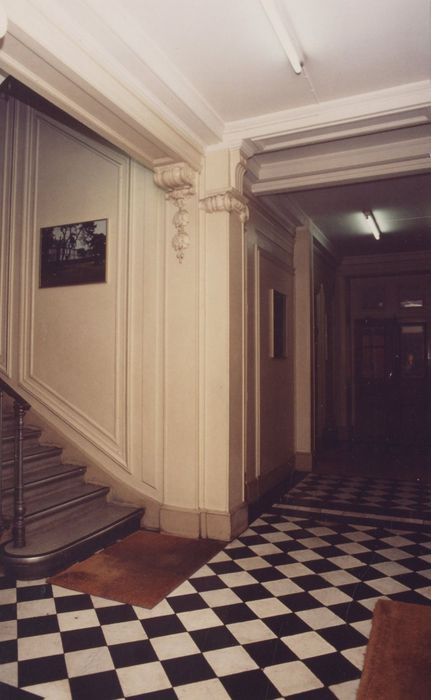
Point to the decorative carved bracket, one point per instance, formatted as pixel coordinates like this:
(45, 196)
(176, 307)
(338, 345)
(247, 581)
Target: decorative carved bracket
(179, 183)
(231, 201)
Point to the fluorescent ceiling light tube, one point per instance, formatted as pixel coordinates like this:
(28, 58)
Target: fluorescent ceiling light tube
(3, 21)
(280, 29)
(372, 224)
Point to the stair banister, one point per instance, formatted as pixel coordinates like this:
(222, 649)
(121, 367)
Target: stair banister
(21, 406)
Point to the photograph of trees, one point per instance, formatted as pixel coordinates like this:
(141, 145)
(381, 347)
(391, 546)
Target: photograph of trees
(73, 253)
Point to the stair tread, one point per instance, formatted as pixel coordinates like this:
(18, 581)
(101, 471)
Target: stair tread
(37, 452)
(37, 476)
(43, 502)
(58, 532)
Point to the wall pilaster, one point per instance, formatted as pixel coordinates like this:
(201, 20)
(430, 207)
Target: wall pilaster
(224, 213)
(303, 263)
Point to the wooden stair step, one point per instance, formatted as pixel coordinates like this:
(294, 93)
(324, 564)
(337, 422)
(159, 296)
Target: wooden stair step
(44, 504)
(72, 534)
(46, 475)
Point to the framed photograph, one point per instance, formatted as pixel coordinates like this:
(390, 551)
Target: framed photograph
(277, 323)
(73, 253)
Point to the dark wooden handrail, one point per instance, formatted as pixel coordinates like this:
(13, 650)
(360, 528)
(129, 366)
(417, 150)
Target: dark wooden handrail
(21, 406)
(4, 386)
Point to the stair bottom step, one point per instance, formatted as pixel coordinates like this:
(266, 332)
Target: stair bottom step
(67, 538)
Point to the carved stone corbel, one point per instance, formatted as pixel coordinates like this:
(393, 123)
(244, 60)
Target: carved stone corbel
(178, 181)
(230, 201)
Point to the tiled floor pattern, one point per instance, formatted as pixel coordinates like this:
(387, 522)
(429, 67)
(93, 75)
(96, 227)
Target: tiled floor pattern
(284, 611)
(389, 500)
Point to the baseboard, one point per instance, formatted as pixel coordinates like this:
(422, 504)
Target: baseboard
(303, 461)
(266, 483)
(206, 524)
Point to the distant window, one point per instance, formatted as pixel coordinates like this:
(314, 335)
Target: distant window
(411, 299)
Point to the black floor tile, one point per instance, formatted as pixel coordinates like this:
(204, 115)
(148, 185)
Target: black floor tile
(188, 669)
(132, 653)
(253, 685)
(96, 685)
(41, 670)
(270, 652)
(88, 638)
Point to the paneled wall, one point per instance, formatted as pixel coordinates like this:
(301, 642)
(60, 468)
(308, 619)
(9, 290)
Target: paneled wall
(270, 444)
(88, 356)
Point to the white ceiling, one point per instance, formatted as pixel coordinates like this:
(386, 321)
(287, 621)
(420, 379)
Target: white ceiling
(215, 70)
(228, 51)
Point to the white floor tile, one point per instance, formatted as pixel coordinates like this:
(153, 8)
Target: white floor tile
(293, 677)
(220, 596)
(308, 644)
(356, 656)
(40, 646)
(35, 608)
(330, 596)
(345, 691)
(250, 631)
(173, 646)
(387, 586)
(282, 586)
(149, 677)
(8, 630)
(78, 619)
(87, 661)
(268, 607)
(199, 619)
(232, 660)
(121, 632)
(318, 618)
(57, 690)
(211, 690)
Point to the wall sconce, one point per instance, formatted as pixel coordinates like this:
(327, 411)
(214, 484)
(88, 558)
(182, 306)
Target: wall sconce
(372, 224)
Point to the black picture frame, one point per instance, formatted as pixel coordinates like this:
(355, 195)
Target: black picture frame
(278, 324)
(72, 254)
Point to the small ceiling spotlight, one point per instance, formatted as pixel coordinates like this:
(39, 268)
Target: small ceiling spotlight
(372, 224)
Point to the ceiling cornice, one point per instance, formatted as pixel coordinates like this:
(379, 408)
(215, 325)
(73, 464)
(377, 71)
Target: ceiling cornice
(393, 103)
(337, 167)
(62, 69)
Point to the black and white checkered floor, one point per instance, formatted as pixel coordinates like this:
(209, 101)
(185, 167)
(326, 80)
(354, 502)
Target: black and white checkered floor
(284, 611)
(361, 498)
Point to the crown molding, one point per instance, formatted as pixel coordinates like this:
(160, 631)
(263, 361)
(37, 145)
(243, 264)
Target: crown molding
(349, 165)
(341, 117)
(198, 114)
(64, 66)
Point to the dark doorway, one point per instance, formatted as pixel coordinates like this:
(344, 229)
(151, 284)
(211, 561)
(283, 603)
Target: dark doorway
(391, 382)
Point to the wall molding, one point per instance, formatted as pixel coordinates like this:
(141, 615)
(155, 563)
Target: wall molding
(7, 242)
(112, 443)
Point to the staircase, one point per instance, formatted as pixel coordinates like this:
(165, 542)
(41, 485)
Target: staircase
(65, 518)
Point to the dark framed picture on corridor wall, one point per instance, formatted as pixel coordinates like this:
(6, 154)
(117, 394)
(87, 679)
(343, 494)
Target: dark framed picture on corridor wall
(277, 324)
(73, 254)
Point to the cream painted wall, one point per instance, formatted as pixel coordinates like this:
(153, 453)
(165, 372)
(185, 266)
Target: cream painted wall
(89, 358)
(270, 441)
(143, 375)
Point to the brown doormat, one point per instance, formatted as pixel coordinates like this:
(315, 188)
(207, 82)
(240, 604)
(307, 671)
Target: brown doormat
(398, 657)
(139, 570)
